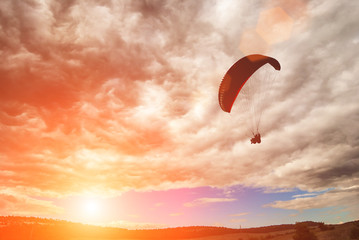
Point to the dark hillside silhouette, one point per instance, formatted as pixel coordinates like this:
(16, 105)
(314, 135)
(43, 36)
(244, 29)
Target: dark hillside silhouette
(16, 228)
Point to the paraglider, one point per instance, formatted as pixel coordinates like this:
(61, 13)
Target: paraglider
(256, 139)
(238, 81)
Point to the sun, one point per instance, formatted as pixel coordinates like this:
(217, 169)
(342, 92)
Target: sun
(91, 207)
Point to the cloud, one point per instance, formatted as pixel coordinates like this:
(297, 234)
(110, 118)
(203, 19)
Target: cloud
(238, 220)
(18, 204)
(305, 195)
(205, 201)
(239, 214)
(111, 96)
(333, 198)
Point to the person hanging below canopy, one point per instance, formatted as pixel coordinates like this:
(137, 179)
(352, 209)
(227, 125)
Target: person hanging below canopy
(256, 139)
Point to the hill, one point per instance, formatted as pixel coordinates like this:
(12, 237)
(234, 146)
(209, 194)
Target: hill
(14, 228)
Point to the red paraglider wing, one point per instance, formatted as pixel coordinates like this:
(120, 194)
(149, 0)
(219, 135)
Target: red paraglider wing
(238, 75)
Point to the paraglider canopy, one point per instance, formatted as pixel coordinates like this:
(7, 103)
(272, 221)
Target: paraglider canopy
(250, 80)
(238, 75)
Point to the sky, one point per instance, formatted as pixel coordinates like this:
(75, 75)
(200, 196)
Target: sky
(109, 112)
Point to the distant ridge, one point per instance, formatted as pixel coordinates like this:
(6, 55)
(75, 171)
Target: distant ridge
(44, 228)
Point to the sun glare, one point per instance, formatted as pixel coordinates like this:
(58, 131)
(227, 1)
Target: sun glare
(91, 208)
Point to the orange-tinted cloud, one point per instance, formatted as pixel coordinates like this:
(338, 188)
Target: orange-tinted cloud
(17, 204)
(204, 201)
(274, 25)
